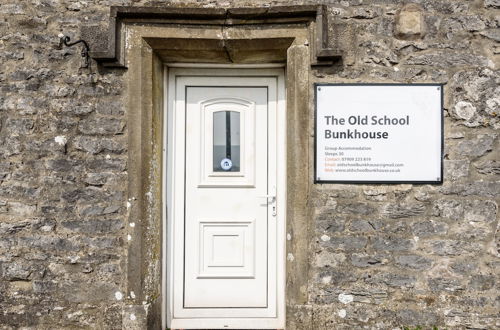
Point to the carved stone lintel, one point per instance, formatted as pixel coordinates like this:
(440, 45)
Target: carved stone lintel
(110, 53)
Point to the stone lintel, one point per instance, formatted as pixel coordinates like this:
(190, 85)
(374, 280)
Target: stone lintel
(110, 53)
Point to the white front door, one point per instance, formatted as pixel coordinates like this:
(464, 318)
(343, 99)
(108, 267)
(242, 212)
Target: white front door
(226, 181)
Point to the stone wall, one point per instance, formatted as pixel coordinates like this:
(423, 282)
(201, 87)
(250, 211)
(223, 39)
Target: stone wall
(382, 256)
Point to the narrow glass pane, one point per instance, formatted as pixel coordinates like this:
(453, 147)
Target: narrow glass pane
(226, 141)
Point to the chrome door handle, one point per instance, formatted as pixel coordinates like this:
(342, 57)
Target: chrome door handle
(273, 197)
(267, 196)
(273, 202)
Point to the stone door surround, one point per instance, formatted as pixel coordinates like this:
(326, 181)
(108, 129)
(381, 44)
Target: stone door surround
(145, 41)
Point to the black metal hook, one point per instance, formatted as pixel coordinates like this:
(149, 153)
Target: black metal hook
(65, 40)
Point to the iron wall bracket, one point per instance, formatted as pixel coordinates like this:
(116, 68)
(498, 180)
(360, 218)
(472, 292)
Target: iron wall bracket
(65, 40)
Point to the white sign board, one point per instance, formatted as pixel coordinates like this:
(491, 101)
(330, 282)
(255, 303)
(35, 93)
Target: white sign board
(378, 133)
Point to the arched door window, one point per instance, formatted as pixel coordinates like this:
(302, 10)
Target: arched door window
(226, 141)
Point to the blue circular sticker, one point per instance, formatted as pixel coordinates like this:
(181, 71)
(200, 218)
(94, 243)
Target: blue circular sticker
(226, 164)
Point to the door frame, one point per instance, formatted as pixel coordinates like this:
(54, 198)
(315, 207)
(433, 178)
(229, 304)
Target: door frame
(172, 204)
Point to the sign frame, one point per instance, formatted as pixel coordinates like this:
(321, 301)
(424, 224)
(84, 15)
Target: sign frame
(437, 182)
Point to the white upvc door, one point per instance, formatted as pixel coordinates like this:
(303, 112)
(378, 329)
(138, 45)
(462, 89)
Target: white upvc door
(225, 187)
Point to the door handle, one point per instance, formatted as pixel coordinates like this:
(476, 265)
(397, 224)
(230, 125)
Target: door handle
(273, 198)
(273, 202)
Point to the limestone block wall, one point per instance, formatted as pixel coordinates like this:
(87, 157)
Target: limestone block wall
(381, 256)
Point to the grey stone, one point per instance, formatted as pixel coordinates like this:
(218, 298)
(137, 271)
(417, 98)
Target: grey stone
(110, 107)
(328, 221)
(412, 317)
(94, 210)
(358, 208)
(492, 3)
(48, 243)
(392, 244)
(347, 242)
(63, 165)
(21, 209)
(464, 267)
(80, 292)
(365, 226)
(13, 9)
(476, 147)
(480, 210)
(375, 194)
(455, 169)
(16, 272)
(94, 226)
(482, 282)
(96, 179)
(488, 167)
(493, 34)
(445, 284)
(44, 287)
(363, 13)
(429, 228)
(413, 261)
(396, 280)
(479, 188)
(326, 258)
(337, 277)
(470, 23)
(453, 247)
(101, 126)
(396, 211)
(364, 260)
(95, 145)
(448, 59)
(20, 126)
(104, 164)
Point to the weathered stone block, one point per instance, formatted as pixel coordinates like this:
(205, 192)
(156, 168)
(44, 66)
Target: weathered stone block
(413, 261)
(396, 211)
(448, 59)
(21, 209)
(327, 221)
(365, 226)
(482, 282)
(347, 242)
(16, 271)
(488, 167)
(476, 147)
(445, 284)
(453, 247)
(104, 164)
(97, 292)
(455, 169)
(394, 280)
(392, 244)
(94, 226)
(96, 145)
(412, 317)
(492, 3)
(330, 259)
(479, 188)
(356, 208)
(96, 179)
(410, 23)
(101, 126)
(364, 260)
(429, 228)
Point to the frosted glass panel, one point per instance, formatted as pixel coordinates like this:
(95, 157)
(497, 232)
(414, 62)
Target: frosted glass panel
(226, 141)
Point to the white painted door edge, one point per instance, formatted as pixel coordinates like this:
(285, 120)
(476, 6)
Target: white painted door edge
(168, 240)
